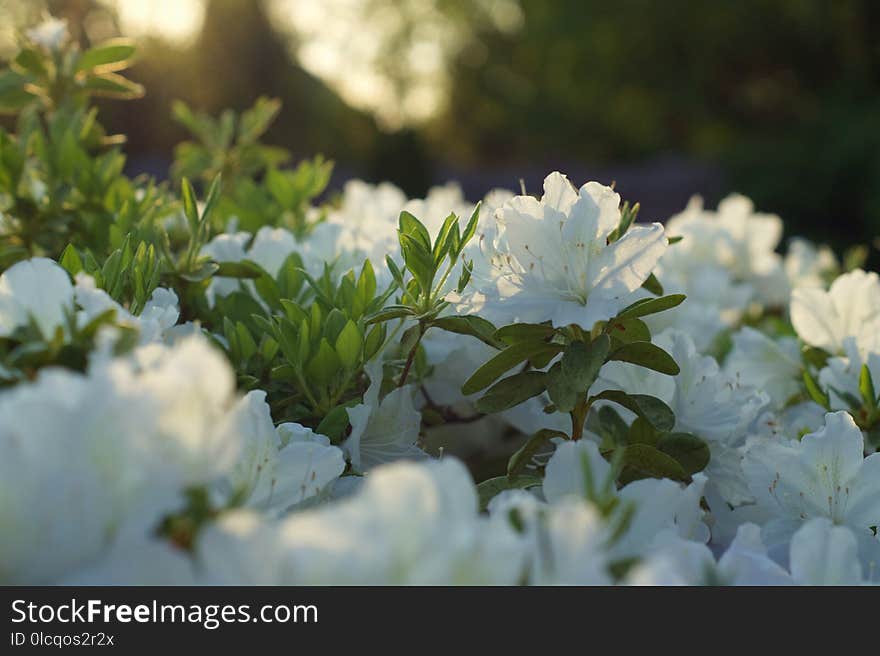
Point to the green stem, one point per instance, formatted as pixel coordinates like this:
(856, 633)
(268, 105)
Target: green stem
(411, 357)
(441, 283)
(578, 418)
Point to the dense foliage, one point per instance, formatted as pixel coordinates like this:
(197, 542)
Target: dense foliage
(256, 387)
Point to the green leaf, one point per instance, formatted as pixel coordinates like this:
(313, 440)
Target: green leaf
(202, 272)
(213, 196)
(442, 244)
(611, 426)
(469, 324)
(653, 285)
(366, 283)
(569, 380)
(324, 365)
(645, 461)
(333, 425)
(373, 341)
(112, 55)
(13, 95)
(348, 345)
(411, 226)
(70, 260)
(647, 306)
(815, 391)
(562, 393)
(242, 269)
(267, 288)
(256, 120)
(511, 391)
(629, 330)
(489, 489)
(30, 61)
(650, 408)
(111, 85)
(419, 261)
(465, 277)
(190, 208)
(504, 362)
(581, 361)
(688, 450)
(396, 273)
(866, 387)
(646, 354)
(642, 432)
(527, 451)
(815, 357)
(389, 313)
(524, 332)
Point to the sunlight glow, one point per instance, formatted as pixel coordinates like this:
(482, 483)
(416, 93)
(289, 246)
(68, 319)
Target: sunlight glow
(389, 58)
(177, 21)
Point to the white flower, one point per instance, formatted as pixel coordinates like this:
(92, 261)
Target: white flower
(806, 264)
(773, 366)
(38, 290)
(137, 560)
(745, 562)
(549, 258)
(738, 239)
(160, 314)
(713, 300)
(577, 471)
(50, 34)
(453, 358)
(850, 308)
(673, 561)
(88, 457)
(271, 247)
(825, 474)
(569, 546)
(823, 553)
(384, 430)
(367, 221)
(705, 401)
(410, 523)
(158, 317)
(439, 203)
(308, 465)
(840, 376)
(226, 247)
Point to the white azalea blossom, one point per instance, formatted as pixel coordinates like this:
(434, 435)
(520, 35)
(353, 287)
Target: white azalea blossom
(35, 290)
(823, 553)
(706, 402)
(840, 376)
(87, 454)
(278, 468)
(771, 365)
(849, 309)
(549, 259)
(158, 317)
(384, 430)
(50, 34)
(410, 524)
(824, 475)
(577, 471)
(807, 265)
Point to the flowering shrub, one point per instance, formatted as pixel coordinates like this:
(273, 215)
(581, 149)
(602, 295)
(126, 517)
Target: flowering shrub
(257, 388)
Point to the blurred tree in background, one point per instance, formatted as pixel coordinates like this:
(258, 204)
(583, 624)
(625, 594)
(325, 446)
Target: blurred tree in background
(778, 99)
(784, 94)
